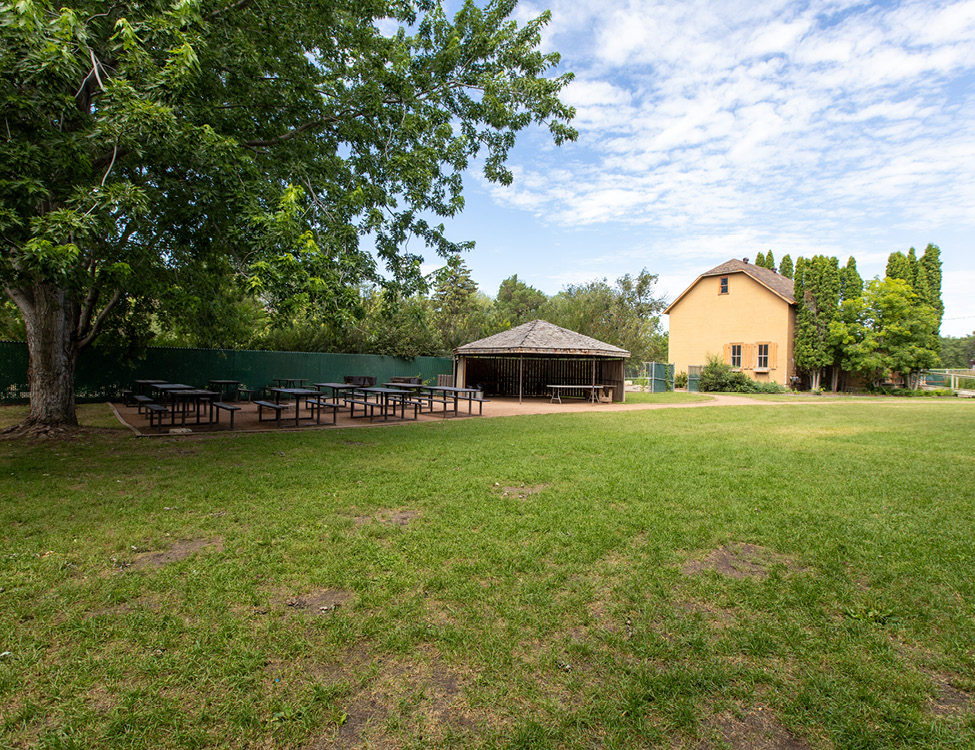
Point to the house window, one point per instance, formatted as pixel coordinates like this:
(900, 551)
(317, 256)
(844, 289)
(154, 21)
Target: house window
(762, 362)
(736, 356)
(723, 285)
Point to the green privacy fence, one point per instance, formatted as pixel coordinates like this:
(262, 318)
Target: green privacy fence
(660, 377)
(99, 377)
(694, 377)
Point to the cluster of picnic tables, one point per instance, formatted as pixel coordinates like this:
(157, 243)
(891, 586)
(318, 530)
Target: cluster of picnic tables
(160, 400)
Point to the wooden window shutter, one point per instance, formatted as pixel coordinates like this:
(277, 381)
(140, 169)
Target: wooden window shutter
(748, 357)
(773, 349)
(727, 354)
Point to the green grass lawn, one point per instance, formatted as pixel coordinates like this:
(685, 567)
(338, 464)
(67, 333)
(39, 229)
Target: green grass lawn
(673, 397)
(686, 578)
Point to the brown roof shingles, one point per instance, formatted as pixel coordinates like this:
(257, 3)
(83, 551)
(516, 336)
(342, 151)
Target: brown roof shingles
(541, 337)
(775, 282)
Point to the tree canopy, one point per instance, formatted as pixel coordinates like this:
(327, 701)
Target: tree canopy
(161, 152)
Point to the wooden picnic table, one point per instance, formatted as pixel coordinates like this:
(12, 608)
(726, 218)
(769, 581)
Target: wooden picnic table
(450, 391)
(224, 386)
(181, 399)
(299, 393)
(290, 382)
(337, 389)
(594, 391)
(386, 398)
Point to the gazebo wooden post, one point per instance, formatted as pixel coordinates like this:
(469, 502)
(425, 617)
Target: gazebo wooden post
(521, 375)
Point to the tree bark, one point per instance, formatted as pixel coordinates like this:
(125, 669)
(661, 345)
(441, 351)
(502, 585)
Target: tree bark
(49, 317)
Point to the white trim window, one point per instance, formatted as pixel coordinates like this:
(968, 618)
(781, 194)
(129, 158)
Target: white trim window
(761, 362)
(736, 356)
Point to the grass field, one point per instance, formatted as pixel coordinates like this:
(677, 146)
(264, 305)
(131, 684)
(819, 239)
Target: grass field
(769, 576)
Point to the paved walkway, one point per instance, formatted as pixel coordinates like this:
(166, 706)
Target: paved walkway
(509, 407)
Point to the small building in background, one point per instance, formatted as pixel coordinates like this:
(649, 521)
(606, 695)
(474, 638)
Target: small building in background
(743, 313)
(524, 361)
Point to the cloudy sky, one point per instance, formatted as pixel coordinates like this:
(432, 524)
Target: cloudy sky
(711, 130)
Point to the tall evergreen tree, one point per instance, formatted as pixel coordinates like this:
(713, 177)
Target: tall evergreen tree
(785, 266)
(760, 260)
(769, 260)
(851, 284)
(817, 299)
(931, 263)
(899, 267)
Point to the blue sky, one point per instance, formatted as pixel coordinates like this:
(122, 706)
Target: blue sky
(711, 130)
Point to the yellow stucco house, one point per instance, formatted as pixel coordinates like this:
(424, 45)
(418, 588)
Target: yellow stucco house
(742, 312)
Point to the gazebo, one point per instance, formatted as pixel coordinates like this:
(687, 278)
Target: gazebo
(526, 360)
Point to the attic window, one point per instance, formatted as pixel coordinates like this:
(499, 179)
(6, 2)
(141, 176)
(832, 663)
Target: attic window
(723, 285)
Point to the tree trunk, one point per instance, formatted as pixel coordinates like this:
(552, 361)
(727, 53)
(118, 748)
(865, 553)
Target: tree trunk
(836, 379)
(49, 319)
(814, 377)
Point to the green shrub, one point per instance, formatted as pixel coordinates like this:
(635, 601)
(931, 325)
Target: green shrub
(908, 393)
(680, 380)
(718, 376)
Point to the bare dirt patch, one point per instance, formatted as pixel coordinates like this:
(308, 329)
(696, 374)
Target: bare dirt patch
(388, 517)
(740, 561)
(757, 729)
(393, 700)
(949, 700)
(319, 602)
(520, 491)
(179, 551)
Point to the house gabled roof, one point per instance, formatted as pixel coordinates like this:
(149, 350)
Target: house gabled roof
(776, 283)
(541, 337)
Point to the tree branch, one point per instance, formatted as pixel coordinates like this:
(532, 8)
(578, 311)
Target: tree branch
(265, 143)
(239, 5)
(100, 320)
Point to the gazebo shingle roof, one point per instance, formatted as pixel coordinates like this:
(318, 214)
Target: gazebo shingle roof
(541, 337)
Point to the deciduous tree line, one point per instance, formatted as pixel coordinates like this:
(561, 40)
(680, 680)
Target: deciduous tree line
(847, 330)
(451, 311)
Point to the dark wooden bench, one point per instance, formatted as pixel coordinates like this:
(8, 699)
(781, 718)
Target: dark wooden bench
(371, 405)
(417, 407)
(431, 400)
(141, 401)
(480, 405)
(217, 406)
(317, 404)
(276, 408)
(155, 410)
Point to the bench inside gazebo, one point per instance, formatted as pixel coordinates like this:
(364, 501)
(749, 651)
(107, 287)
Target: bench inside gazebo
(526, 361)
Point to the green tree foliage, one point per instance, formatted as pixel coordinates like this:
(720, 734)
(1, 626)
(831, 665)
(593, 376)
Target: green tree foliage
(887, 330)
(625, 315)
(957, 352)
(769, 260)
(930, 271)
(899, 267)
(817, 292)
(517, 302)
(851, 285)
(760, 260)
(456, 305)
(785, 266)
(151, 145)
(11, 322)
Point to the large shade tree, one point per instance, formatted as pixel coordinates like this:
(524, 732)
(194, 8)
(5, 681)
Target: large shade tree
(150, 144)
